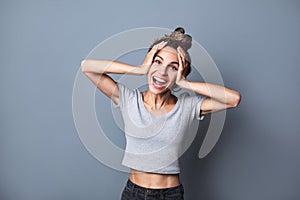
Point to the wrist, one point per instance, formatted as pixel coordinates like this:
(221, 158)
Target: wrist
(183, 83)
(137, 70)
(143, 69)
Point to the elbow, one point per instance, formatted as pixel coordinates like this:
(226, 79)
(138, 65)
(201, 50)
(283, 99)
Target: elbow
(83, 66)
(236, 100)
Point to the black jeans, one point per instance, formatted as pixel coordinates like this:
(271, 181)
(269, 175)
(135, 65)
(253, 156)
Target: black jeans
(135, 192)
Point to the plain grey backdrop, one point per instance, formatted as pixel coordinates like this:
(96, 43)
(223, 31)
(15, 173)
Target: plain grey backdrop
(255, 45)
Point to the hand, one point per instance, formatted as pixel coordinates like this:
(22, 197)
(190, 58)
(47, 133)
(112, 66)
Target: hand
(150, 56)
(182, 66)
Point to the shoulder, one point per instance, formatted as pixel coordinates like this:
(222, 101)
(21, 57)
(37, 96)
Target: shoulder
(126, 90)
(192, 103)
(126, 94)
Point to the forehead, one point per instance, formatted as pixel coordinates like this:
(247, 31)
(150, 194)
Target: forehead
(168, 54)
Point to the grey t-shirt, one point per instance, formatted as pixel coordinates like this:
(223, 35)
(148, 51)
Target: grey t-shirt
(154, 143)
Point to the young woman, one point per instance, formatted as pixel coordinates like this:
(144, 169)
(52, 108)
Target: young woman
(152, 151)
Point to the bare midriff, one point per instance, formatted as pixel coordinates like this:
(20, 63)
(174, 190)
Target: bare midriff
(154, 181)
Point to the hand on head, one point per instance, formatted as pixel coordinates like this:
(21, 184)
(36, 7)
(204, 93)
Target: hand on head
(150, 56)
(182, 65)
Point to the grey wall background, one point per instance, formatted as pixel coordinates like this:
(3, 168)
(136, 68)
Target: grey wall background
(255, 45)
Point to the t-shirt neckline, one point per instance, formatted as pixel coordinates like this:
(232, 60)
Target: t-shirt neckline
(142, 105)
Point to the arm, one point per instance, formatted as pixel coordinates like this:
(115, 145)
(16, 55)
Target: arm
(110, 67)
(97, 70)
(219, 97)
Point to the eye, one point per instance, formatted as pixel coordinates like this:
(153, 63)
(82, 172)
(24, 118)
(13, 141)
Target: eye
(157, 61)
(173, 68)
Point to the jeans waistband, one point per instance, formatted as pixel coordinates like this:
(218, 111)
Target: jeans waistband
(132, 185)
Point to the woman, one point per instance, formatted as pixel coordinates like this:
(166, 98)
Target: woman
(152, 152)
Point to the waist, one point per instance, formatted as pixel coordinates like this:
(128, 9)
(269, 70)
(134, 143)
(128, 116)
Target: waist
(153, 180)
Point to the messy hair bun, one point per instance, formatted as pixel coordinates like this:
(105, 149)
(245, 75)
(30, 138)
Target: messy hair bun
(175, 39)
(178, 36)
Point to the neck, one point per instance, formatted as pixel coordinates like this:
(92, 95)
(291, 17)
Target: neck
(157, 101)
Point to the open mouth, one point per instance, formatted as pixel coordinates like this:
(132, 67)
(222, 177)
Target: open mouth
(158, 82)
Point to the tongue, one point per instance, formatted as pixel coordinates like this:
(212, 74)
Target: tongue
(158, 84)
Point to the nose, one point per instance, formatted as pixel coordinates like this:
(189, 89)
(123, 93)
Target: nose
(163, 70)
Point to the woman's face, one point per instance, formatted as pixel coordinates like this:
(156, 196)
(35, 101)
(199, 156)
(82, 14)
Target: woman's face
(163, 72)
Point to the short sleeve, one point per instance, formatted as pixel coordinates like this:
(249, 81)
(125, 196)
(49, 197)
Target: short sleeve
(192, 105)
(124, 94)
(199, 101)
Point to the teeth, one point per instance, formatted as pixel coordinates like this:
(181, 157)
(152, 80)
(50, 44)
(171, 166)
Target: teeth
(159, 80)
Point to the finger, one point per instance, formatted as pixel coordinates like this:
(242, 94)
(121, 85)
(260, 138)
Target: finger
(183, 54)
(184, 64)
(182, 58)
(161, 45)
(180, 50)
(153, 51)
(181, 63)
(156, 48)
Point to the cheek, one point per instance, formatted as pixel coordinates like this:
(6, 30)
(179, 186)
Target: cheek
(172, 74)
(172, 78)
(153, 67)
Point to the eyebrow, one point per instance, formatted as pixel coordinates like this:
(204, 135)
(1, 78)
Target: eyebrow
(170, 63)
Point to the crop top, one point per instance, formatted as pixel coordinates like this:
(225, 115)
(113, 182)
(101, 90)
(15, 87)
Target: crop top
(154, 143)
